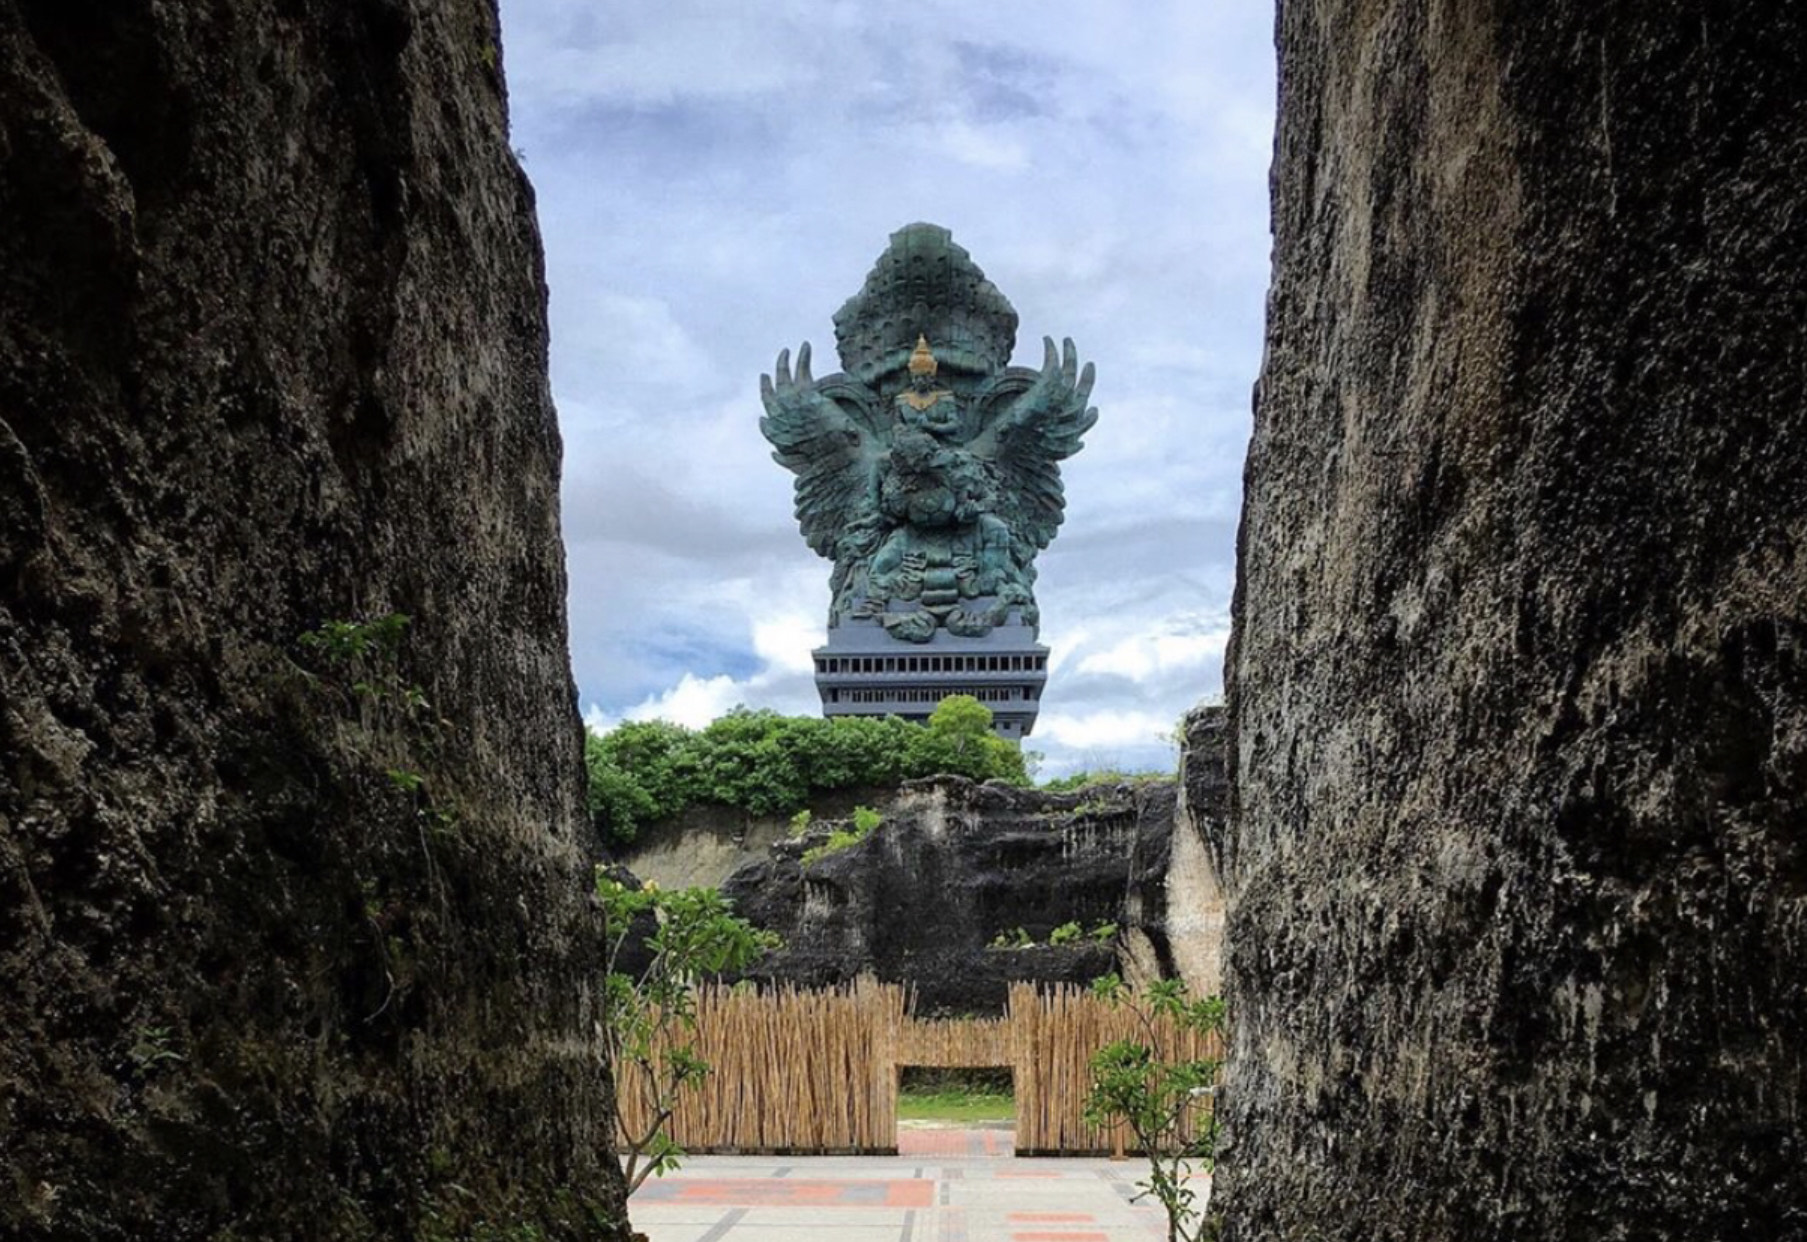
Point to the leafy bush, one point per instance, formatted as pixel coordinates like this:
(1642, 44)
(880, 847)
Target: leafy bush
(767, 764)
(1165, 1105)
(638, 772)
(647, 1018)
(1066, 933)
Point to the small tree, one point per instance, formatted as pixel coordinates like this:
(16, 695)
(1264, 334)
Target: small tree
(957, 739)
(1164, 1103)
(686, 934)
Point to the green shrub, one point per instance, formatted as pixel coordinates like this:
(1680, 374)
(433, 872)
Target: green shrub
(1167, 1106)
(767, 764)
(1066, 933)
(649, 1018)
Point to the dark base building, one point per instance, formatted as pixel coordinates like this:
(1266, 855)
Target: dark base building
(863, 671)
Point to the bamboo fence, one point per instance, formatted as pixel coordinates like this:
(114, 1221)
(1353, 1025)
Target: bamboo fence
(817, 1071)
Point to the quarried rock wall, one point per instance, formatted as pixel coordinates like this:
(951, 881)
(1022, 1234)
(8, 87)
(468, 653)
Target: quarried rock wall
(1518, 691)
(282, 957)
(1190, 896)
(953, 866)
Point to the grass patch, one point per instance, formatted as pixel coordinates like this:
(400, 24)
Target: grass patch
(962, 1106)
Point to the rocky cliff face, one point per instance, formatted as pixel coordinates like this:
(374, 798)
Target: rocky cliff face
(1178, 913)
(1518, 694)
(282, 958)
(953, 866)
(705, 844)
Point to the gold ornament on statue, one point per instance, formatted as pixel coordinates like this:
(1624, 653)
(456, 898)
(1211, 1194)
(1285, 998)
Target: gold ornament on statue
(922, 361)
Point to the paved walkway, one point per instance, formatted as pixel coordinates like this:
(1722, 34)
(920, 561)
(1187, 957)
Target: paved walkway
(955, 1187)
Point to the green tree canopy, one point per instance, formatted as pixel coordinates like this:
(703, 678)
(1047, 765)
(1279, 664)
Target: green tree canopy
(767, 764)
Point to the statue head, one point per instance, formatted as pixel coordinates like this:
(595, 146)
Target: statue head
(922, 365)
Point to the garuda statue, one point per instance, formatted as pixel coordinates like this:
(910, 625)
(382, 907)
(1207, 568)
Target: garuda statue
(927, 470)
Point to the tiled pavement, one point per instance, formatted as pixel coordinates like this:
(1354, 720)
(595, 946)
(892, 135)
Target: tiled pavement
(950, 1186)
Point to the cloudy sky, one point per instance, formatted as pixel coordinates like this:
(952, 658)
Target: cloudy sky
(716, 177)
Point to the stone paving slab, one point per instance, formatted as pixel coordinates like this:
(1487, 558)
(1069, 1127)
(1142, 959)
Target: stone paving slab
(967, 1195)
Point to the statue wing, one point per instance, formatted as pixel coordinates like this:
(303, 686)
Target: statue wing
(828, 435)
(1028, 423)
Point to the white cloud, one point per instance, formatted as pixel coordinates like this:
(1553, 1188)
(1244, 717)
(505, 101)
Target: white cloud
(982, 146)
(785, 641)
(1103, 738)
(1145, 656)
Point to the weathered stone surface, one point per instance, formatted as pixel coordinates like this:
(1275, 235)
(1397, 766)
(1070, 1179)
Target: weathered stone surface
(272, 352)
(1518, 883)
(1175, 916)
(953, 865)
(705, 844)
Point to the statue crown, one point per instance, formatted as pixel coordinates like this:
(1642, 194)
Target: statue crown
(922, 360)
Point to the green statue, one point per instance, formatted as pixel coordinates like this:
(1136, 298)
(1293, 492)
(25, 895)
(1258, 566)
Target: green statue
(927, 470)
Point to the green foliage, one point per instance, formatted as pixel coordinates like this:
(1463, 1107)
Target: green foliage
(358, 645)
(865, 819)
(1103, 776)
(357, 665)
(639, 772)
(150, 1049)
(767, 764)
(1065, 934)
(958, 740)
(361, 662)
(800, 822)
(1016, 938)
(689, 933)
(1157, 1099)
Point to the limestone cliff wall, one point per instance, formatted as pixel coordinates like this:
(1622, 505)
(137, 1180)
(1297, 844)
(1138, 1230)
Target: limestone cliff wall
(1518, 700)
(272, 354)
(705, 844)
(953, 865)
(1192, 897)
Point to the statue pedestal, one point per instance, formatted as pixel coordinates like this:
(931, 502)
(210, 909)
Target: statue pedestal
(863, 671)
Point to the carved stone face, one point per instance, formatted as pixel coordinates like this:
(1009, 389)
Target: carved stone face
(922, 381)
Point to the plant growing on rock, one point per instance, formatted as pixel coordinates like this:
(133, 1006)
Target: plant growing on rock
(687, 935)
(362, 660)
(1165, 1104)
(865, 819)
